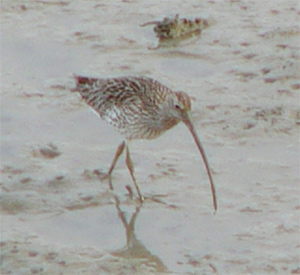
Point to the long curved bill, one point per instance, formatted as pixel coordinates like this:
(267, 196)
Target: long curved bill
(187, 120)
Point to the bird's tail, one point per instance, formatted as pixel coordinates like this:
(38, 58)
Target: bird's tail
(87, 87)
(81, 82)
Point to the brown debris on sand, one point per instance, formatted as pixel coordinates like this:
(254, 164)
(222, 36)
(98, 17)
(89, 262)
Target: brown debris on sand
(171, 31)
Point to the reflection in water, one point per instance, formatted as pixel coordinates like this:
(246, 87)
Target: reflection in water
(134, 248)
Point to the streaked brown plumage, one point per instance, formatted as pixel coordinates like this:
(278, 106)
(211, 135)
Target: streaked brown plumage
(139, 108)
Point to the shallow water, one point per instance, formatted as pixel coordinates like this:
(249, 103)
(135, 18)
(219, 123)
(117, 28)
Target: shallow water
(243, 76)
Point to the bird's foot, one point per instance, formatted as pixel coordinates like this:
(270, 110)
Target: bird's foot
(131, 194)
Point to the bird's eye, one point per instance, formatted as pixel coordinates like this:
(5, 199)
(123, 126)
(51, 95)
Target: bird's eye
(177, 106)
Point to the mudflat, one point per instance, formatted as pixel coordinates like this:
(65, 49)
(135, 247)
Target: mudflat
(242, 74)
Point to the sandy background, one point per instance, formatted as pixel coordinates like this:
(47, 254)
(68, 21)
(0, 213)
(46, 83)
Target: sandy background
(243, 76)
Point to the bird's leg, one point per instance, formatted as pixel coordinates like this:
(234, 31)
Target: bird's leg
(117, 155)
(130, 167)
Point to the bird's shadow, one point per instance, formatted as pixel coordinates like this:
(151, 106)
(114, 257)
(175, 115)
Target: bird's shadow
(134, 249)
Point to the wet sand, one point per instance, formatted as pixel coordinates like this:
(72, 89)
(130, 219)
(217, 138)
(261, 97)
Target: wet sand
(242, 73)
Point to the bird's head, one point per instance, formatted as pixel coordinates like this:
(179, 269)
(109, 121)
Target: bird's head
(179, 105)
